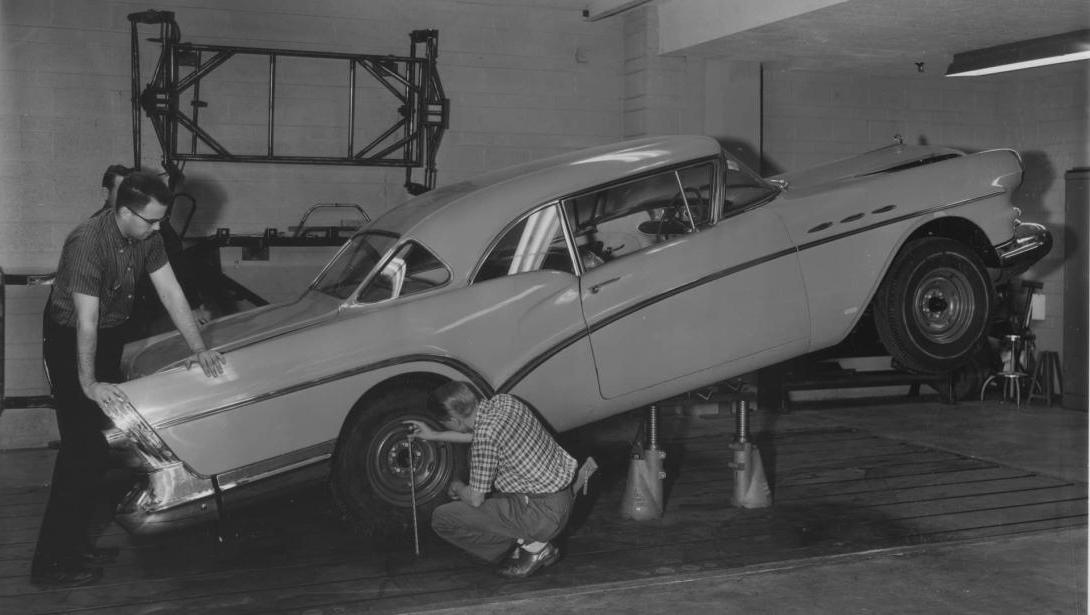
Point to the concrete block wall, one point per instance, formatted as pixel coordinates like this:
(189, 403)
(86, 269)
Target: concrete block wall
(664, 94)
(526, 79)
(1050, 113)
(811, 117)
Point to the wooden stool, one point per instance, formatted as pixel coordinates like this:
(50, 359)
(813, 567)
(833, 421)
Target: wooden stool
(1045, 373)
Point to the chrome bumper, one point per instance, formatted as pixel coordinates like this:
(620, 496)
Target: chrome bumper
(1030, 243)
(172, 498)
(165, 500)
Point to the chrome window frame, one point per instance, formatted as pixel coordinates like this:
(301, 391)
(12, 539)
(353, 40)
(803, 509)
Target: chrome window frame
(568, 240)
(353, 300)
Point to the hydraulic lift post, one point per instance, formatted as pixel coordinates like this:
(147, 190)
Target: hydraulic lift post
(750, 485)
(642, 500)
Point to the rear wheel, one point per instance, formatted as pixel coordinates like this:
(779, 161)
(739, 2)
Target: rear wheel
(933, 307)
(373, 464)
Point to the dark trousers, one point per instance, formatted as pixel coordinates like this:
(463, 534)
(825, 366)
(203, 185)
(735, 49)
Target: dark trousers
(490, 530)
(82, 460)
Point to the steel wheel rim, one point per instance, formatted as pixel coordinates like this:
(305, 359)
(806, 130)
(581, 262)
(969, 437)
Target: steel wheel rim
(943, 308)
(387, 466)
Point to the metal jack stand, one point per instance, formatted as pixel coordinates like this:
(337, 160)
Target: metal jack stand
(642, 499)
(750, 485)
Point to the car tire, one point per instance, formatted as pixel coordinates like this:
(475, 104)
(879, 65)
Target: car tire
(934, 305)
(370, 478)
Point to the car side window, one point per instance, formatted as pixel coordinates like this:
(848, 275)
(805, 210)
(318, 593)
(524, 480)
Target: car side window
(535, 243)
(628, 217)
(412, 269)
(741, 188)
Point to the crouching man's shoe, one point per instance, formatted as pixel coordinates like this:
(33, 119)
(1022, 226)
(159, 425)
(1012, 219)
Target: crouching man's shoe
(529, 563)
(59, 575)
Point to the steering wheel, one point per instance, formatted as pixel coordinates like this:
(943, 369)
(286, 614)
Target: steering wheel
(672, 221)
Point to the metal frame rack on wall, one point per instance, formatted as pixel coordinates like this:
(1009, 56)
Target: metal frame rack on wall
(412, 141)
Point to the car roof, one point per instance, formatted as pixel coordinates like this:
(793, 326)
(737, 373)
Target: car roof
(458, 221)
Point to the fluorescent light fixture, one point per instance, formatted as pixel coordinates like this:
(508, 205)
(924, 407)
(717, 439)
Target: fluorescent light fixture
(600, 9)
(1067, 47)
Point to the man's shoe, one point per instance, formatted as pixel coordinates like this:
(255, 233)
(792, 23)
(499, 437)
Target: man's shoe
(98, 556)
(57, 575)
(529, 563)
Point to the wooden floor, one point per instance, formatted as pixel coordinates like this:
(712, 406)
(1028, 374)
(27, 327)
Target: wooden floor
(836, 491)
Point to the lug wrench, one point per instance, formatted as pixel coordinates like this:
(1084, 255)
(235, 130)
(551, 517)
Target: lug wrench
(412, 494)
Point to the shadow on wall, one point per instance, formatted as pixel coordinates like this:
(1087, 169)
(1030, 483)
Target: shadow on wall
(198, 206)
(750, 156)
(1038, 179)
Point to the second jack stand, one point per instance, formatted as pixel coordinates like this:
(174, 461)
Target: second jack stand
(642, 499)
(750, 485)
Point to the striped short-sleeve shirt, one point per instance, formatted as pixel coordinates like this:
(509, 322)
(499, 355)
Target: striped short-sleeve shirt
(97, 260)
(512, 451)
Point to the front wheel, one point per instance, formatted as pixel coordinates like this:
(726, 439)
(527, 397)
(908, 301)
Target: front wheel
(374, 463)
(934, 305)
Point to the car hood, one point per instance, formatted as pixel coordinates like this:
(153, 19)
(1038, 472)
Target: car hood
(885, 160)
(156, 353)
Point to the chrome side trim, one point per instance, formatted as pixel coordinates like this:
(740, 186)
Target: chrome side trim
(894, 220)
(535, 362)
(277, 465)
(455, 364)
(245, 480)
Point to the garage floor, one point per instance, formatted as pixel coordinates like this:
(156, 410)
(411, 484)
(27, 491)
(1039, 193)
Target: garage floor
(917, 507)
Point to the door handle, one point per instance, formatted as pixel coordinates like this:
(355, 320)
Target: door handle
(597, 287)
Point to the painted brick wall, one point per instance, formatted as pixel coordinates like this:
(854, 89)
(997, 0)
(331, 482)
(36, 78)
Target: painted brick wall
(812, 117)
(1049, 114)
(527, 79)
(662, 94)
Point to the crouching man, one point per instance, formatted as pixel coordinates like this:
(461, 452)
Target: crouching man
(511, 452)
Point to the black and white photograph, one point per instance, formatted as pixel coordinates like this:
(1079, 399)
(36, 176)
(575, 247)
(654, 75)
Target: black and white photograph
(324, 307)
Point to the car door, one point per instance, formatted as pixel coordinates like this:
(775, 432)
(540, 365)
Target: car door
(695, 296)
(520, 321)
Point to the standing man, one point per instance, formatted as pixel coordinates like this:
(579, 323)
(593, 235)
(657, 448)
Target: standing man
(147, 317)
(511, 451)
(111, 180)
(91, 298)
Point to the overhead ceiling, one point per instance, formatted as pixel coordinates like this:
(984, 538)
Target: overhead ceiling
(895, 34)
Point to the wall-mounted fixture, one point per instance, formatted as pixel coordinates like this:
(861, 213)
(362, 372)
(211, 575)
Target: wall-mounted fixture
(600, 9)
(1067, 47)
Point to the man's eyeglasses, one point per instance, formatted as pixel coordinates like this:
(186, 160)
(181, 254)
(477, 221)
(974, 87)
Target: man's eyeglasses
(150, 221)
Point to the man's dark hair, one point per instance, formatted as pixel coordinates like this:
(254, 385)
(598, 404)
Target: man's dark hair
(453, 399)
(139, 188)
(112, 171)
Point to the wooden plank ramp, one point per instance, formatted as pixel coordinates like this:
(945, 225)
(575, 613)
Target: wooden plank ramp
(836, 491)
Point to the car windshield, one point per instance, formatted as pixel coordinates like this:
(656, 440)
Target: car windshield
(353, 263)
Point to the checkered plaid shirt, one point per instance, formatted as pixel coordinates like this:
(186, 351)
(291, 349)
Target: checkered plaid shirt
(512, 451)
